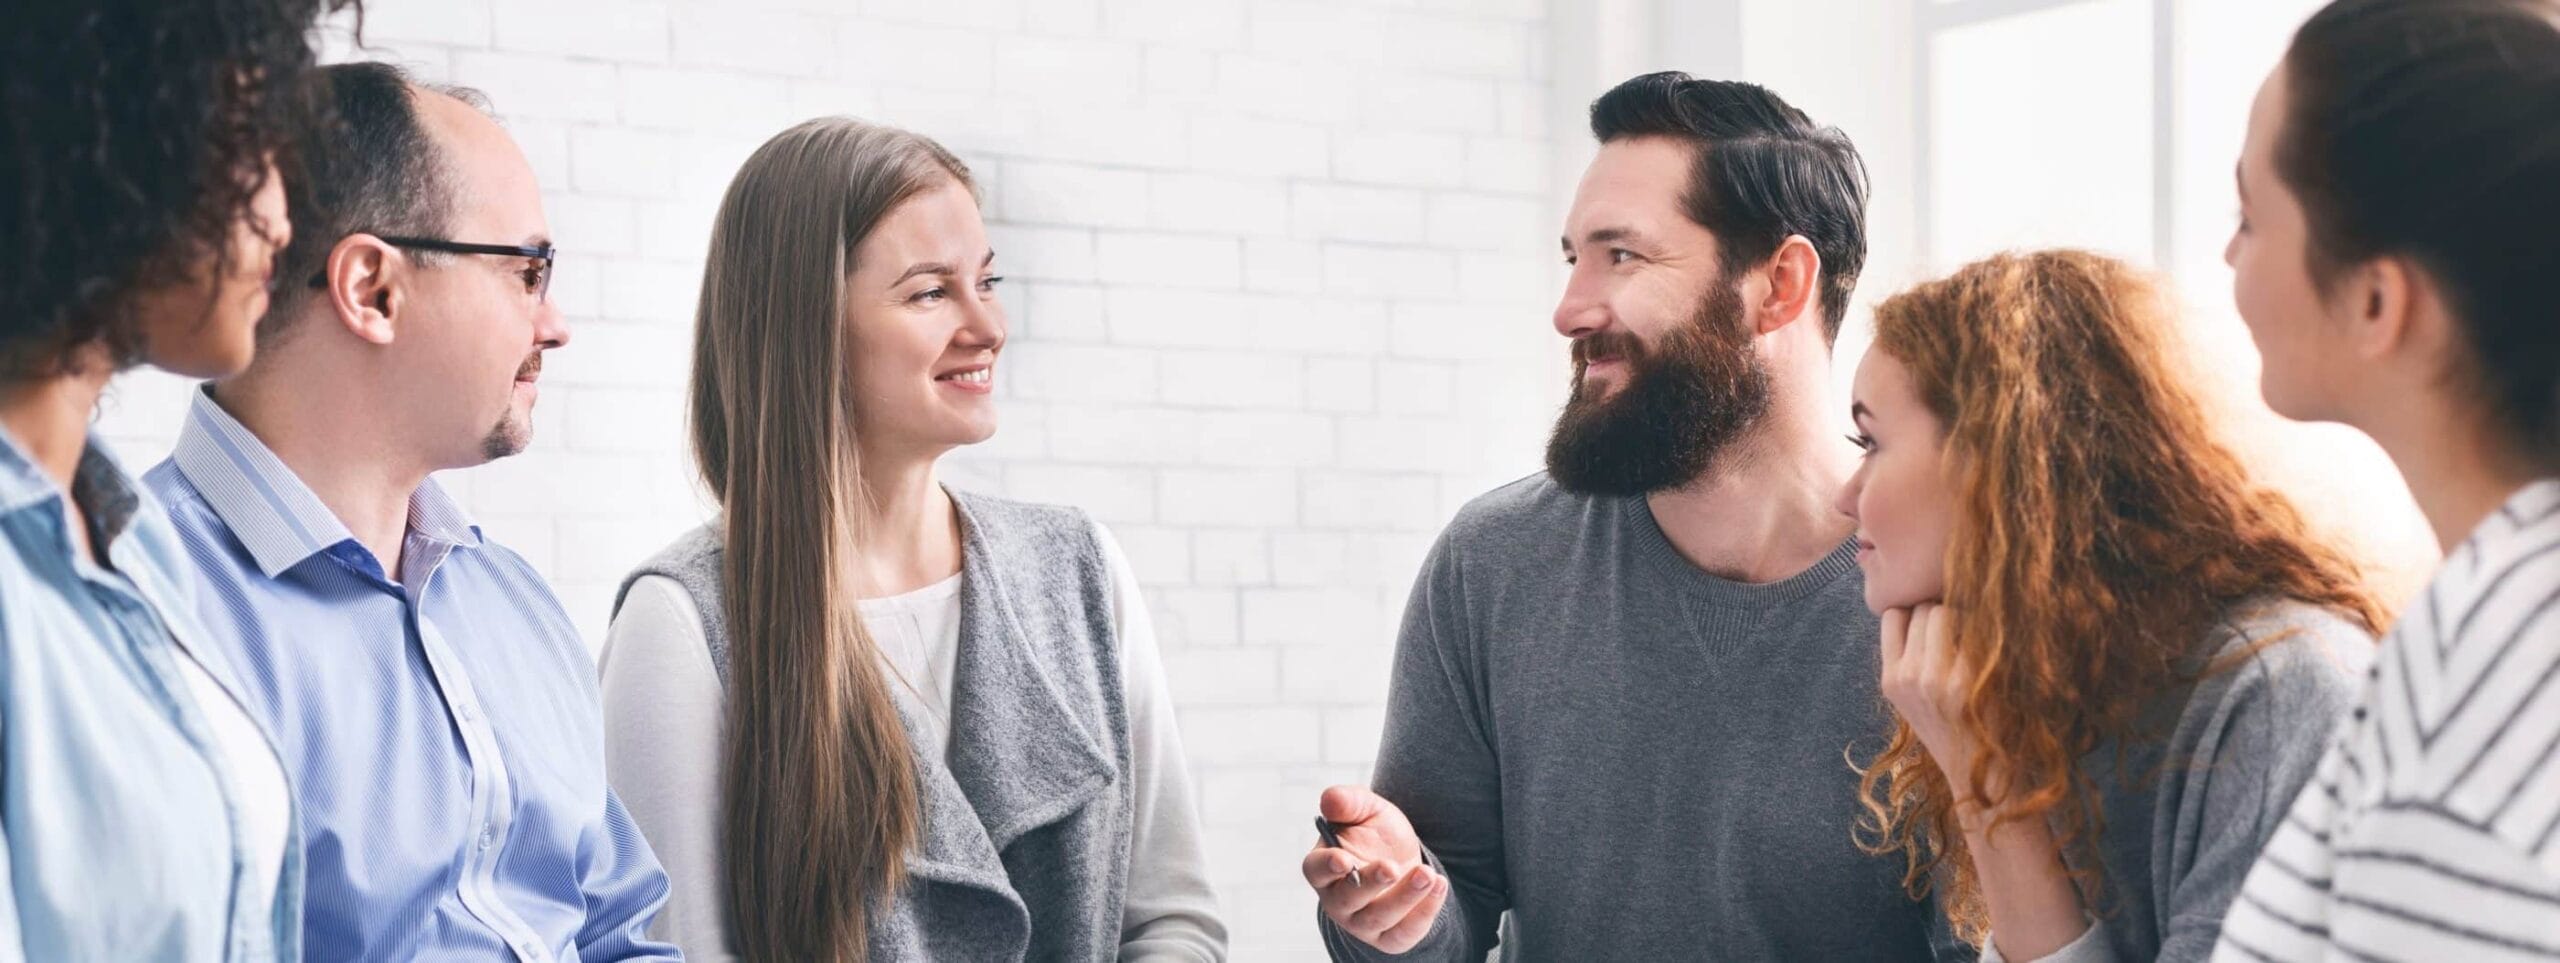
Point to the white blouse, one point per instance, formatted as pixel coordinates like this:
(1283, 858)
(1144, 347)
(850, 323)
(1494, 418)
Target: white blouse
(265, 801)
(664, 706)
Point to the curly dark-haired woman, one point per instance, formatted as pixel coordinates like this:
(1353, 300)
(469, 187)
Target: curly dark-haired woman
(143, 816)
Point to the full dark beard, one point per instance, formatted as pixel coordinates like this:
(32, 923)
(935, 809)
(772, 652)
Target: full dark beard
(1684, 400)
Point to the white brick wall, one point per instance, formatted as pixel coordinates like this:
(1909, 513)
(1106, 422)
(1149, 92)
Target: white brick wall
(1282, 276)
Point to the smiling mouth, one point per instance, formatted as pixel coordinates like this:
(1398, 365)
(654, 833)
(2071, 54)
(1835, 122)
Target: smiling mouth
(972, 376)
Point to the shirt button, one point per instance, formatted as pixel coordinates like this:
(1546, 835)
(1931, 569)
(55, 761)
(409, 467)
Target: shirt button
(485, 836)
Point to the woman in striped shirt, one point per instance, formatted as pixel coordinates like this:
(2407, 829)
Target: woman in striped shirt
(2399, 188)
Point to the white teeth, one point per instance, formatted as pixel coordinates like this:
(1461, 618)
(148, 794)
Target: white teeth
(979, 376)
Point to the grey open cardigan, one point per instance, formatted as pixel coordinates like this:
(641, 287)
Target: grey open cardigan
(1024, 853)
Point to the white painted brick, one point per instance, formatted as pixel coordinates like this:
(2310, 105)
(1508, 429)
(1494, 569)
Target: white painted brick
(1214, 204)
(1248, 145)
(1178, 318)
(1302, 559)
(1351, 733)
(1369, 501)
(546, 148)
(1189, 617)
(688, 99)
(1522, 279)
(1228, 496)
(637, 290)
(1076, 194)
(1489, 223)
(1523, 109)
(1181, 76)
(1123, 434)
(1265, 439)
(1320, 326)
(589, 225)
(532, 536)
(1159, 556)
(1043, 253)
(678, 230)
(1400, 157)
(1055, 311)
(626, 31)
(1458, 45)
(1362, 270)
(1508, 165)
(606, 549)
(707, 161)
(1201, 677)
(1231, 557)
(1069, 72)
(627, 419)
(1312, 617)
(1342, 384)
(1283, 266)
(1338, 674)
(1466, 331)
(1170, 260)
(1287, 89)
(1216, 24)
(1401, 443)
(938, 58)
(1329, 32)
(1438, 104)
(544, 88)
(1061, 18)
(463, 23)
(1229, 379)
(1113, 495)
(987, 14)
(1416, 387)
(622, 161)
(1076, 373)
(767, 44)
(1329, 212)
(1097, 134)
(1022, 432)
(829, 98)
(1262, 735)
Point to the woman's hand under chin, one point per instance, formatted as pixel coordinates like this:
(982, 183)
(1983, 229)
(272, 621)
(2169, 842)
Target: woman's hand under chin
(1926, 678)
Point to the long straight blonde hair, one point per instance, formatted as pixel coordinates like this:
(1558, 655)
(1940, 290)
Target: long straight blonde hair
(822, 794)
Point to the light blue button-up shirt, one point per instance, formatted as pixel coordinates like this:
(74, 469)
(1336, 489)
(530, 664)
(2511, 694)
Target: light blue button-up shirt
(123, 832)
(443, 730)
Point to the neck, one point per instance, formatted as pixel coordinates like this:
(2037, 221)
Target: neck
(911, 530)
(360, 472)
(2457, 468)
(1764, 511)
(49, 416)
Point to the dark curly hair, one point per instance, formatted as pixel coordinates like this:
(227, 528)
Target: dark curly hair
(133, 133)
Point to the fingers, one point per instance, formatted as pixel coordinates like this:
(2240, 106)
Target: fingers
(1895, 635)
(1324, 866)
(1406, 907)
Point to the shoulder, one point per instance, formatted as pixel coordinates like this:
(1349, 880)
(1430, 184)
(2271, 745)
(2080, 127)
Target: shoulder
(1017, 521)
(2286, 671)
(1529, 509)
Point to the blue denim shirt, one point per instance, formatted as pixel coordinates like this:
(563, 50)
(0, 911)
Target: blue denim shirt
(123, 833)
(443, 730)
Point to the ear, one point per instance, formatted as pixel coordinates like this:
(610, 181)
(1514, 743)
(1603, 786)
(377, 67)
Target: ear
(367, 285)
(2380, 302)
(1795, 280)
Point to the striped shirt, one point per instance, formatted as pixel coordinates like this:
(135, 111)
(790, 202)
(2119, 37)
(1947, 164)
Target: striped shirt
(442, 728)
(2431, 830)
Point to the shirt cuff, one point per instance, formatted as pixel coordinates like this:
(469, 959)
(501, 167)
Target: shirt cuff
(2089, 947)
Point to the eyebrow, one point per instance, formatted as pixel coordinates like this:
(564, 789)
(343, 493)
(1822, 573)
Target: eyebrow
(1601, 236)
(938, 267)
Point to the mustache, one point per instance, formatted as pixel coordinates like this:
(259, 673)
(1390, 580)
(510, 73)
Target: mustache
(531, 368)
(1608, 345)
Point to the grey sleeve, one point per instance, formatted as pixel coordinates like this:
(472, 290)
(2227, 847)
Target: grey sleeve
(1436, 762)
(2270, 719)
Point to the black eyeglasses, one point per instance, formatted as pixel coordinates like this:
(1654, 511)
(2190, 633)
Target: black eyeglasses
(537, 280)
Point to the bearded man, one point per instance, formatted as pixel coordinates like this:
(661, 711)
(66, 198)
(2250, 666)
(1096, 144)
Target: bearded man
(1626, 687)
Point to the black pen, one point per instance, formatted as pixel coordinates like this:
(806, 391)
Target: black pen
(1325, 831)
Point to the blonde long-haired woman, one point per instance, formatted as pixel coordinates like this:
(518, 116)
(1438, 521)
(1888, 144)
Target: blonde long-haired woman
(859, 715)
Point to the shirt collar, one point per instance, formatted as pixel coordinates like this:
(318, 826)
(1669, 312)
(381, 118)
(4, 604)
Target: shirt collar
(268, 508)
(108, 497)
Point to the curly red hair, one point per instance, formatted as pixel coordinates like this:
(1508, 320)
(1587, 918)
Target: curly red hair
(2102, 529)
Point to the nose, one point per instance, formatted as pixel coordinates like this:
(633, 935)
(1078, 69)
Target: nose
(1584, 309)
(550, 327)
(982, 323)
(1846, 502)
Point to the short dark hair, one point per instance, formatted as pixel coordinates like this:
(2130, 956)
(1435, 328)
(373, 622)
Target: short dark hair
(134, 134)
(374, 170)
(2431, 130)
(1762, 171)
